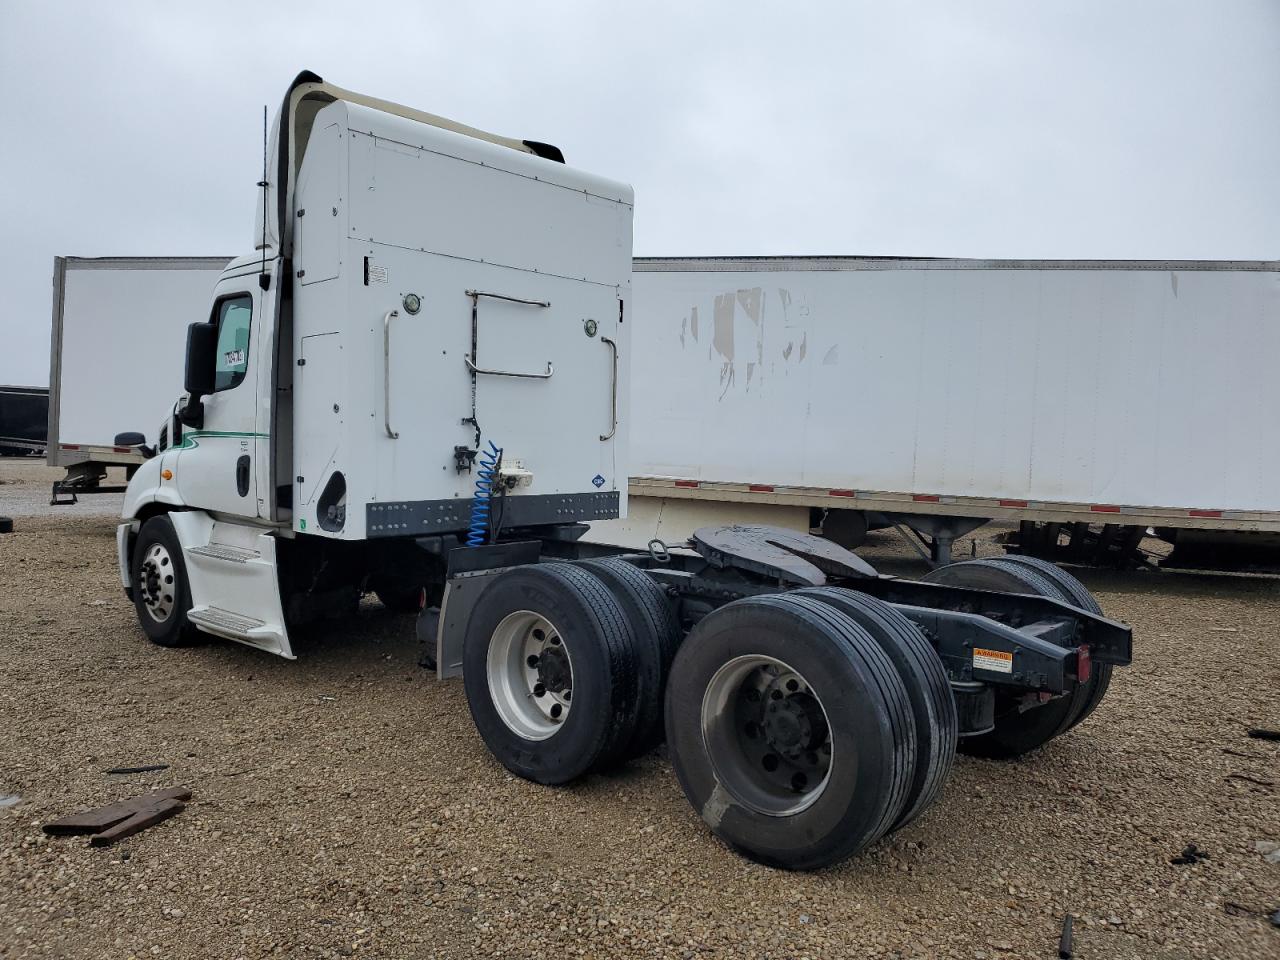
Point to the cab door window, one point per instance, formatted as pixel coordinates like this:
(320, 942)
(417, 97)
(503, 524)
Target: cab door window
(232, 362)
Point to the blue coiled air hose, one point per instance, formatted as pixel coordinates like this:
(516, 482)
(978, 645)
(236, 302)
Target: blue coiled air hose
(486, 477)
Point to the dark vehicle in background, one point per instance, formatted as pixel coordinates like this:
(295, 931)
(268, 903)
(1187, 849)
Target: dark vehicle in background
(24, 421)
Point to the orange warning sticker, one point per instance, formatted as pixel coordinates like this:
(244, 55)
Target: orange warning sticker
(997, 660)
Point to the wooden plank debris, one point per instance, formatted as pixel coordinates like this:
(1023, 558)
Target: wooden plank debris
(124, 818)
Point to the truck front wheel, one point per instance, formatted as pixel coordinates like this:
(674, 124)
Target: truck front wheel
(161, 593)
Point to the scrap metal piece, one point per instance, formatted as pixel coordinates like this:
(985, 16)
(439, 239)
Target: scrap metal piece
(100, 818)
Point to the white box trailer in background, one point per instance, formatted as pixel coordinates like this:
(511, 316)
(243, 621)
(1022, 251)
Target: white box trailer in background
(1092, 399)
(119, 326)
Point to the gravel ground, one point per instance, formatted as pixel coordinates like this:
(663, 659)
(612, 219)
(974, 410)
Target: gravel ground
(343, 804)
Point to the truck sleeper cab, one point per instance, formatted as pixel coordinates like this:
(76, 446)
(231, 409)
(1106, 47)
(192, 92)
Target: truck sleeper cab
(419, 386)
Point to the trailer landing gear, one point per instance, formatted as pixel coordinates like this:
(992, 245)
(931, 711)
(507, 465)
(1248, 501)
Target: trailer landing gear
(81, 478)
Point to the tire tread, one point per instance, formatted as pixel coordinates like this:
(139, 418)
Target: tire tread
(925, 680)
(657, 636)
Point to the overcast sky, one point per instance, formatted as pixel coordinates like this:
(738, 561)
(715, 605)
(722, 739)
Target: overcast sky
(1004, 129)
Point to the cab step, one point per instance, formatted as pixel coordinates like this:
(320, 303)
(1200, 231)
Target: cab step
(235, 626)
(226, 551)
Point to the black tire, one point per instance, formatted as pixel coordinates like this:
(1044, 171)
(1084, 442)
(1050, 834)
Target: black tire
(1016, 732)
(657, 637)
(1075, 592)
(594, 631)
(925, 680)
(6, 525)
(1077, 595)
(862, 702)
(160, 586)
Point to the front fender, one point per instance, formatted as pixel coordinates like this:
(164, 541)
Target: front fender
(148, 485)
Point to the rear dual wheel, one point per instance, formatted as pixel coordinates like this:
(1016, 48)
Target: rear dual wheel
(1019, 731)
(1078, 595)
(657, 636)
(923, 678)
(563, 669)
(791, 731)
(802, 726)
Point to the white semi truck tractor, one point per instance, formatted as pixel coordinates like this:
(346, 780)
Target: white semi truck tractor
(417, 385)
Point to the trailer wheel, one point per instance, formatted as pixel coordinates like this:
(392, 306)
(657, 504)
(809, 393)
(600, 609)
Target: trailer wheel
(1077, 594)
(790, 731)
(1016, 732)
(549, 672)
(161, 592)
(926, 684)
(657, 635)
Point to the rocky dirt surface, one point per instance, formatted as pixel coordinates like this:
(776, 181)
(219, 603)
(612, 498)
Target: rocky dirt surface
(344, 806)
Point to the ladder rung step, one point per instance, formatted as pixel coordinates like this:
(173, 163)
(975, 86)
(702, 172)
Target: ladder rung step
(225, 551)
(224, 619)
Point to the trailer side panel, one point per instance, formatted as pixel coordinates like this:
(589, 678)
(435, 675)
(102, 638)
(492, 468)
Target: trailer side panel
(1107, 384)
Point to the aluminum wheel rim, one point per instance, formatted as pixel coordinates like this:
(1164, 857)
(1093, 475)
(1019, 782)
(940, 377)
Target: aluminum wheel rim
(767, 735)
(158, 582)
(530, 675)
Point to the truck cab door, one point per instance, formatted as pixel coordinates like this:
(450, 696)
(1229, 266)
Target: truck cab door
(216, 469)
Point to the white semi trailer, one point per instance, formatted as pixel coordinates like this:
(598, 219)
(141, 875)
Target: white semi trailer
(1085, 400)
(419, 384)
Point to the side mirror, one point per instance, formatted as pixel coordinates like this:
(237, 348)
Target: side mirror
(137, 440)
(202, 345)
